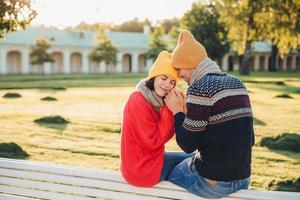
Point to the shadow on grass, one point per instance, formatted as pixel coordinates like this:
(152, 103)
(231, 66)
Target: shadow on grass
(271, 159)
(48, 98)
(83, 152)
(287, 144)
(280, 83)
(55, 122)
(59, 88)
(12, 95)
(258, 122)
(292, 155)
(275, 86)
(59, 127)
(286, 141)
(287, 185)
(91, 153)
(12, 150)
(285, 96)
(111, 130)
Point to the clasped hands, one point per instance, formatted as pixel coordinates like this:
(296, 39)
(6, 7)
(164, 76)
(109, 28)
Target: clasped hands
(175, 101)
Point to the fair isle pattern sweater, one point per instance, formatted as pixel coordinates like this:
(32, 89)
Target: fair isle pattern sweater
(219, 125)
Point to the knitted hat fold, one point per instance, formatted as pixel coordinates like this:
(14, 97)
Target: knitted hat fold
(162, 66)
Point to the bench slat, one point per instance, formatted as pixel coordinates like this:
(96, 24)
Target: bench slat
(11, 197)
(24, 178)
(39, 194)
(266, 195)
(74, 190)
(71, 171)
(99, 184)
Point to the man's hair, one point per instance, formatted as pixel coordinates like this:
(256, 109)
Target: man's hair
(150, 83)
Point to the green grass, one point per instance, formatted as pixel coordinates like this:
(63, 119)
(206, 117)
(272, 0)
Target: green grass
(93, 104)
(61, 82)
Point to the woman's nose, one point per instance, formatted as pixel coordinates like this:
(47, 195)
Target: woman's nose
(169, 85)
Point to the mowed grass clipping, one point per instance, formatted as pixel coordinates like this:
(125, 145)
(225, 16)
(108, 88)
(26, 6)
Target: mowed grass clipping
(93, 105)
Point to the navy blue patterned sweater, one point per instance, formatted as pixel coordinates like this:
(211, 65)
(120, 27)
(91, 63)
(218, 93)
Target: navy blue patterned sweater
(219, 125)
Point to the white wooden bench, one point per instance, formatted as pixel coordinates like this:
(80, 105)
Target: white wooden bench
(20, 180)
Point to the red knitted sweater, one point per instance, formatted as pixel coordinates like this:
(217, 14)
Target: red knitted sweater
(144, 133)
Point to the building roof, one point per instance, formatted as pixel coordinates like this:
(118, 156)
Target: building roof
(262, 47)
(123, 40)
(87, 39)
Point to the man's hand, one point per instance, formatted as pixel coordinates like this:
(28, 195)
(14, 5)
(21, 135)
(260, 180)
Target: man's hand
(182, 92)
(175, 101)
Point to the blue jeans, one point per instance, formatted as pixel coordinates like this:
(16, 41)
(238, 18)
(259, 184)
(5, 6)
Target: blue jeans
(171, 159)
(185, 175)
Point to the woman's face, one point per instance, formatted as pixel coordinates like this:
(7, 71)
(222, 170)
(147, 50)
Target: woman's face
(163, 84)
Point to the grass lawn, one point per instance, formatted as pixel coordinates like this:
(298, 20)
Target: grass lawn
(93, 105)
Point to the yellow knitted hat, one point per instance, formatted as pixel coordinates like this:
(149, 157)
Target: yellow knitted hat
(162, 66)
(188, 53)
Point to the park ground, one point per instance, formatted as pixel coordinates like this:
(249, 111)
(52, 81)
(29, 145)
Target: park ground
(93, 105)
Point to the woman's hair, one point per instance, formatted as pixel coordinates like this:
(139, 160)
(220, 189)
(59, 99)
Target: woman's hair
(150, 83)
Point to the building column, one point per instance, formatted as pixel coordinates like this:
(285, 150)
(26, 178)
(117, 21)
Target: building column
(266, 63)
(3, 64)
(135, 62)
(277, 63)
(47, 68)
(236, 66)
(25, 61)
(67, 66)
(225, 66)
(294, 62)
(256, 62)
(85, 62)
(119, 63)
(102, 67)
(284, 67)
(149, 64)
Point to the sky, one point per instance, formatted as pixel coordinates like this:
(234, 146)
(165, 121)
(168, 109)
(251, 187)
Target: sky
(63, 13)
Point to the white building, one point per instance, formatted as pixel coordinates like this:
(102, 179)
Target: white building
(261, 54)
(70, 52)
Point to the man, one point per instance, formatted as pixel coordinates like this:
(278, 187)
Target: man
(218, 124)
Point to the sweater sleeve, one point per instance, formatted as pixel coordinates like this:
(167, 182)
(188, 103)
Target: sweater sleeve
(187, 140)
(146, 130)
(191, 128)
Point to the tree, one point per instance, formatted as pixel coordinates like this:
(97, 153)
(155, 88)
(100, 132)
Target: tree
(156, 44)
(82, 26)
(105, 51)
(279, 23)
(132, 26)
(173, 36)
(168, 24)
(239, 19)
(14, 15)
(202, 21)
(39, 55)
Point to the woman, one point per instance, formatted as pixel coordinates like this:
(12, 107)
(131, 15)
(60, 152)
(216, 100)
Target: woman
(147, 125)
